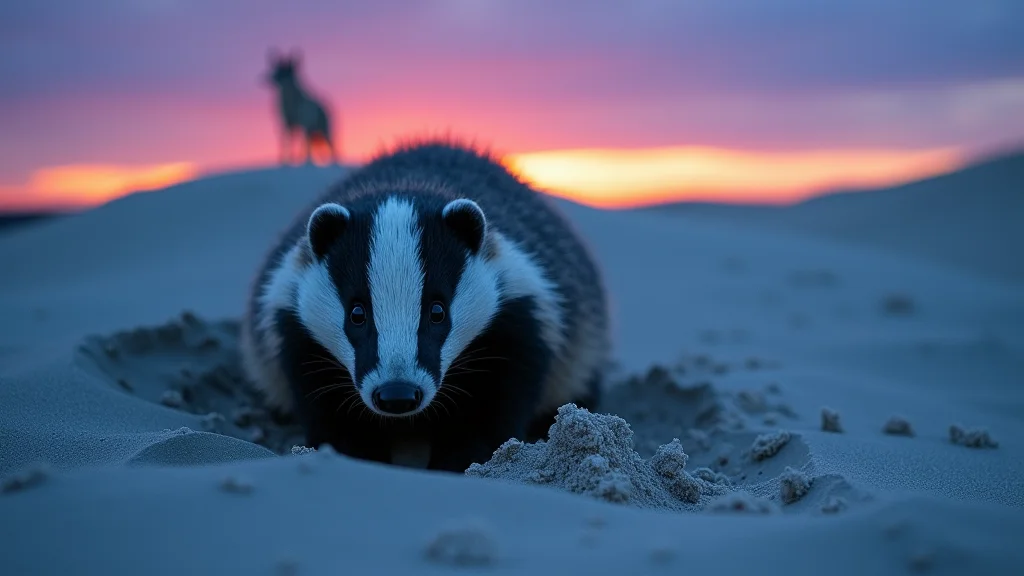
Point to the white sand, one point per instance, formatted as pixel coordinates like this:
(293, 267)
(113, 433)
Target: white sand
(159, 461)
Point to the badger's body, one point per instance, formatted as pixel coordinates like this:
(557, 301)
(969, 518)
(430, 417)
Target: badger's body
(429, 302)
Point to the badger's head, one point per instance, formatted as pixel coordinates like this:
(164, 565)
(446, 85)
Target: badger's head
(396, 292)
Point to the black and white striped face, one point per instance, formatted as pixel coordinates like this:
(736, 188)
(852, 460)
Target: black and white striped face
(396, 291)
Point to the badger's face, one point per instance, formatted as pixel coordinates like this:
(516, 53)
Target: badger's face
(396, 293)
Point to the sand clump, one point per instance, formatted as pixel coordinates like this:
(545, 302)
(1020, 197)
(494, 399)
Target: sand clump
(712, 477)
(465, 543)
(593, 454)
(971, 437)
(793, 485)
(669, 462)
(898, 426)
(767, 445)
(830, 420)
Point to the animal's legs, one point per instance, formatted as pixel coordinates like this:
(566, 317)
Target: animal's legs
(285, 138)
(331, 148)
(309, 148)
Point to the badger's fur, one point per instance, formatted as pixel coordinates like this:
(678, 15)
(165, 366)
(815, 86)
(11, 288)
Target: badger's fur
(431, 300)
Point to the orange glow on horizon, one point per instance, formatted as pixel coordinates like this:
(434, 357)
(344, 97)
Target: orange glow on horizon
(609, 178)
(85, 185)
(603, 178)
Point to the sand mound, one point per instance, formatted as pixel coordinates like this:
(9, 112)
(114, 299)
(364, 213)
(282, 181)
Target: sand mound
(971, 437)
(593, 454)
(464, 543)
(186, 447)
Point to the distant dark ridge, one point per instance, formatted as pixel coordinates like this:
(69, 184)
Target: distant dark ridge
(13, 220)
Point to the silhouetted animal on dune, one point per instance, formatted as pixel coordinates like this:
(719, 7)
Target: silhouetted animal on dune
(299, 111)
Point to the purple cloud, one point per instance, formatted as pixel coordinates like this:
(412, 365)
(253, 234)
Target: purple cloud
(555, 51)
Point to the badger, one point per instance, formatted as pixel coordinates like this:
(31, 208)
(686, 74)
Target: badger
(425, 309)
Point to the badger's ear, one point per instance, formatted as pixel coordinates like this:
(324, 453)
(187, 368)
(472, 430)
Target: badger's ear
(325, 225)
(467, 220)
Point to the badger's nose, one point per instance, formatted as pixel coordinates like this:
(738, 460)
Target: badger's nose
(397, 397)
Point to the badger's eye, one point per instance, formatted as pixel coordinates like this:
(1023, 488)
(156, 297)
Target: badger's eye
(436, 313)
(357, 316)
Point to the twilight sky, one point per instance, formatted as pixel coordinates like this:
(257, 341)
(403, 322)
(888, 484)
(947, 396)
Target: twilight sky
(700, 98)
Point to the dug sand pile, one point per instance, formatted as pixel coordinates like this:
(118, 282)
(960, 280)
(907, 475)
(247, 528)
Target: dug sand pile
(593, 454)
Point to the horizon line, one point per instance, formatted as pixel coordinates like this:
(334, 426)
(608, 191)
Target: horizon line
(551, 178)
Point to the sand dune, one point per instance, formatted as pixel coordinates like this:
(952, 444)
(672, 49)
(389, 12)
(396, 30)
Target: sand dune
(118, 371)
(969, 218)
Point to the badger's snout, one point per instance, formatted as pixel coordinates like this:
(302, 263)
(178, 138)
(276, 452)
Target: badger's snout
(397, 397)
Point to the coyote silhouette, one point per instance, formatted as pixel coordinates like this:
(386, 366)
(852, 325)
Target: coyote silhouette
(299, 111)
